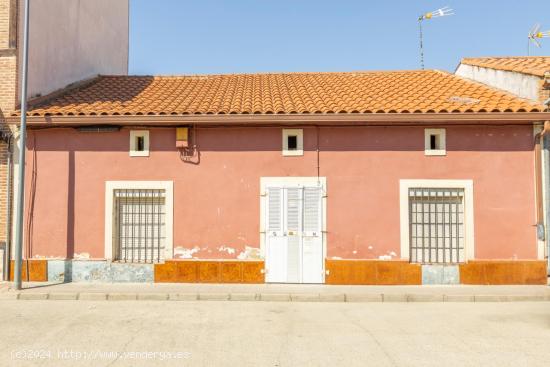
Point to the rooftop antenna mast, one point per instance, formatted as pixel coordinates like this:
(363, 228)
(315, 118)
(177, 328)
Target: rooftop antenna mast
(443, 12)
(535, 35)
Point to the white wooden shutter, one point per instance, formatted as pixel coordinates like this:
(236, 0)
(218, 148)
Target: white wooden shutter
(312, 253)
(293, 233)
(293, 209)
(276, 251)
(274, 210)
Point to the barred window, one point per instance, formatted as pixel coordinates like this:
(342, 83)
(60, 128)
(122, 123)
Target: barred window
(436, 221)
(140, 231)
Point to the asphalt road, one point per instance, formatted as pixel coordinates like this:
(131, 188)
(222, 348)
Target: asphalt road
(156, 333)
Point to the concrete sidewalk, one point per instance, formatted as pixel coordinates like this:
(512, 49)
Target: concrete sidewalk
(272, 292)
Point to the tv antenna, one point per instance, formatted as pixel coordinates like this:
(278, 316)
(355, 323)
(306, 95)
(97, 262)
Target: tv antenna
(535, 35)
(443, 12)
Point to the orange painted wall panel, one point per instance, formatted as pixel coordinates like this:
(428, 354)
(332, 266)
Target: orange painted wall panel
(198, 271)
(504, 273)
(37, 270)
(231, 272)
(372, 272)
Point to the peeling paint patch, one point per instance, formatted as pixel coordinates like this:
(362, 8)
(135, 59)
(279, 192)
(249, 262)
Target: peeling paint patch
(388, 256)
(51, 257)
(250, 253)
(229, 250)
(185, 253)
(82, 256)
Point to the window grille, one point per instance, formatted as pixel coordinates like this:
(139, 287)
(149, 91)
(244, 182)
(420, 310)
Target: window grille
(436, 221)
(140, 233)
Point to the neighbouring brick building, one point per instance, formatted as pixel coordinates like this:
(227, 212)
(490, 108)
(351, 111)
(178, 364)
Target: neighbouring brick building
(8, 87)
(66, 46)
(413, 177)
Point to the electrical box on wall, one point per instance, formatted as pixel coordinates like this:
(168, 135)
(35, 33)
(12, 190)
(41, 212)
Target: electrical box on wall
(182, 137)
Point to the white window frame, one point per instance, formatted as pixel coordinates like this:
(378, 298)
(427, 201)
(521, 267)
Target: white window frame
(167, 186)
(266, 182)
(442, 140)
(542, 248)
(133, 148)
(466, 185)
(299, 133)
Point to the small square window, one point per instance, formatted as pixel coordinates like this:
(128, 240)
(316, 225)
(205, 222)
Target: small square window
(434, 142)
(293, 142)
(139, 143)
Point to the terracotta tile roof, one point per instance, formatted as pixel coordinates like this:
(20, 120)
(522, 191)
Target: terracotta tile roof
(301, 93)
(533, 65)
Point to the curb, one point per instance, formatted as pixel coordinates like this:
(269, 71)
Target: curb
(274, 297)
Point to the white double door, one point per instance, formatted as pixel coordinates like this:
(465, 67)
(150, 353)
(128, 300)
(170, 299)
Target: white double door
(294, 237)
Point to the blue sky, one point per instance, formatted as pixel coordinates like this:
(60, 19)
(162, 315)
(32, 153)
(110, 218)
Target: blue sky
(236, 36)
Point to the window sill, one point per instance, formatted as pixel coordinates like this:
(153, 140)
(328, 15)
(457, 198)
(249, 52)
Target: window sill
(292, 153)
(435, 153)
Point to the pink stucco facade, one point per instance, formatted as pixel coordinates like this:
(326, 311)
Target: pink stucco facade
(217, 197)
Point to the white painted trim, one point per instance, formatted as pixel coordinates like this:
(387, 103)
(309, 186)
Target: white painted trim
(133, 135)
(541, 245)
(300, 142)
(467, 185)
(167, 186)
(292, 182)
(442, 139)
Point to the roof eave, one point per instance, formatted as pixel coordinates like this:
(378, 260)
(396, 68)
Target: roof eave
(287, 119)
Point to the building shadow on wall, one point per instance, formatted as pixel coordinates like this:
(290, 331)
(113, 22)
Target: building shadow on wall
(30, 203)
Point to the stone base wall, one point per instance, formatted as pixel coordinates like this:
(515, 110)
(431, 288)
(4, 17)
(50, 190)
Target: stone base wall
(495, 272)
(342, 272)
(98, 271)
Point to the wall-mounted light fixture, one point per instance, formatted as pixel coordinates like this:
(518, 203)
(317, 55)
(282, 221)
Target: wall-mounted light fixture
(182, 137)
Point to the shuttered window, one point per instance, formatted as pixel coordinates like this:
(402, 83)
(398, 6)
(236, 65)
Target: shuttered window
(275, 212)
(312, 209)
(436, 220)
(140, 233)
(293, 209)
